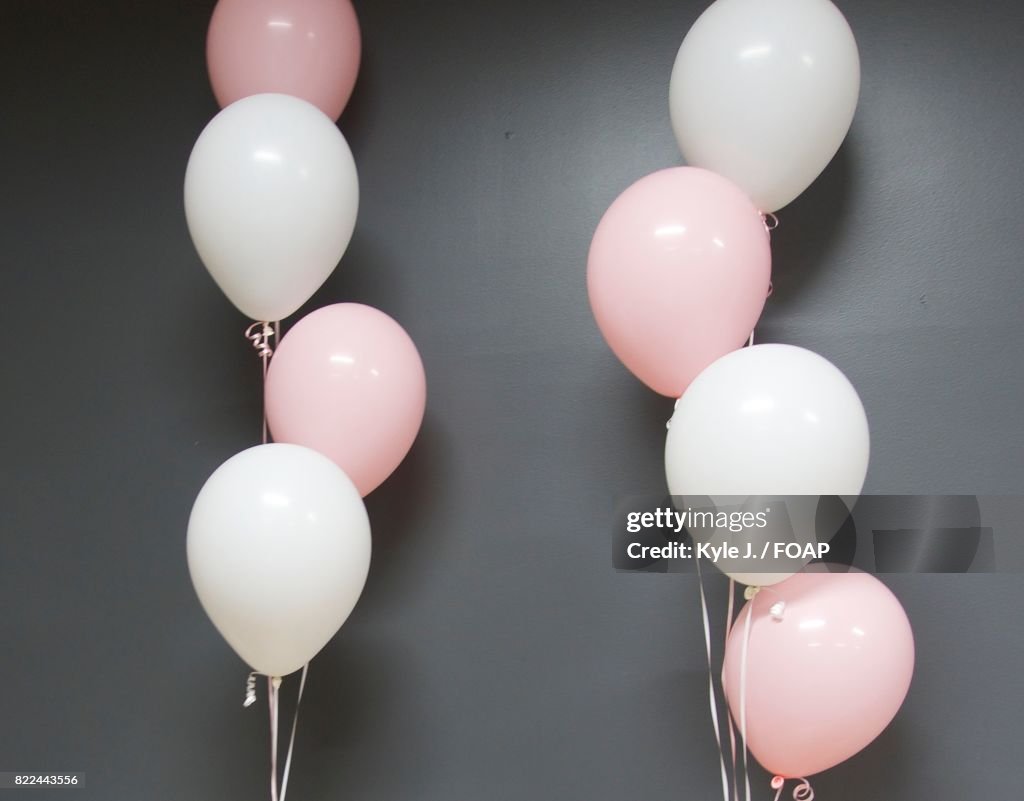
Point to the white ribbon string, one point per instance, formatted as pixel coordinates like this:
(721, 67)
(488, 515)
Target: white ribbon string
(272, 687)
(250, 690)
(711, 681)
(273, 703)
(291, 740)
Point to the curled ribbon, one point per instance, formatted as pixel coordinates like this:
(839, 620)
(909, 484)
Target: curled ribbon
(260, 334)
(802, 792)
(250, 690)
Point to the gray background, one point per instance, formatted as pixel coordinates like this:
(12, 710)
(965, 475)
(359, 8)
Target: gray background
(495, 654)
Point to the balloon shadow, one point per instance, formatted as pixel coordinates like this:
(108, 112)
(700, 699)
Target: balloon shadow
(362, 276)
(809, 229)
(874, 769)
(360, 106)
(404, 500)
(644, 405)
(402, 510)
(940, 534)
(361, 713)
(358, 713)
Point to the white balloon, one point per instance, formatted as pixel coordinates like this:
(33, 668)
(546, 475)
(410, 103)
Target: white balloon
(769, 420)
(278, 551)
(271, 196)
(763, 92)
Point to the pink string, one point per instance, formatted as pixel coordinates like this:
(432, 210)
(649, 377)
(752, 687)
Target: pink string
(747, 623)
(729, 619)
(260, 335)
(802, 792)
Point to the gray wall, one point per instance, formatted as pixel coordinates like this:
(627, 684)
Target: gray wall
(495, 654)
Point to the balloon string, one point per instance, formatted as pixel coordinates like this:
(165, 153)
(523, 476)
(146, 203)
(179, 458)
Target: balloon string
(802, 792)
(261, 334)
(291, 740)
(729, 619)
(743, 693)
(711, 681)
(250, 690)
(777, 610)
(273, 703)
(746, 632)
(273, 684)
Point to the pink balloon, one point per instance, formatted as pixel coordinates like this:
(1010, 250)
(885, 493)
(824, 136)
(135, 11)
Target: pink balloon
(678, 274)
(826, 678)
(348, 381)
(306, 48)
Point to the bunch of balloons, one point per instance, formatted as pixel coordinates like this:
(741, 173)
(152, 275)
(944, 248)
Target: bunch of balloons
(762, 95)
(279, 539)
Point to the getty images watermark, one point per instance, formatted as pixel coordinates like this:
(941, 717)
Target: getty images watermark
(783, 533)
(705, 520)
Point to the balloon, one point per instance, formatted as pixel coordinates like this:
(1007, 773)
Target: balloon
(764, 93)
(678, 274)
(278, 550)
(306, 48)
(271, 195)
(769, 420)
(826, 673)
(348, 381)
